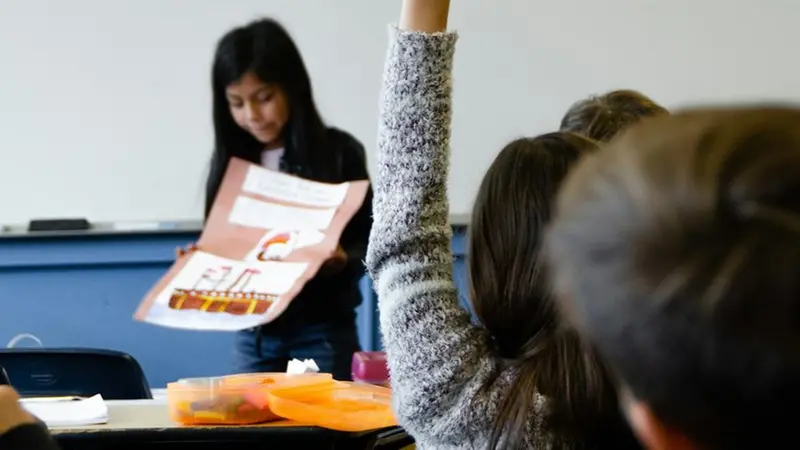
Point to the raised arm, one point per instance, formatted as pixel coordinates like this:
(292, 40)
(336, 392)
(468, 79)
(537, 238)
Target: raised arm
(438, 360)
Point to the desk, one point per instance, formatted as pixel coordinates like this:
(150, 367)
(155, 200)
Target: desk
(146, 424)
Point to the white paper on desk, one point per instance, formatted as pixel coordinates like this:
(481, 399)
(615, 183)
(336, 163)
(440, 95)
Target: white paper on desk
(296, 367)
(62, 413)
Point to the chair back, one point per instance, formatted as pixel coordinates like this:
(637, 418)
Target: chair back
(83, 372)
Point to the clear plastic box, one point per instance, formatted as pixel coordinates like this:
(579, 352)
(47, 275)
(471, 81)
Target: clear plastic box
(232, 400)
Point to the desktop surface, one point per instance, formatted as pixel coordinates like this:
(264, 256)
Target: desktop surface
(139, 423)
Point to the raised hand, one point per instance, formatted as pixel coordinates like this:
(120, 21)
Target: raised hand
(427, 16)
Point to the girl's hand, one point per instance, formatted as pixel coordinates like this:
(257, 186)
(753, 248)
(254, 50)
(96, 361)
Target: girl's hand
(427, 16)
(335, 263)
(181, 251)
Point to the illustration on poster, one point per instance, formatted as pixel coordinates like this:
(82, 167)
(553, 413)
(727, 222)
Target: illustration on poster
(279, 244)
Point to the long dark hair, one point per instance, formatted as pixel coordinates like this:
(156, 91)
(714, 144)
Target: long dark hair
(265, 48)
(512, 297)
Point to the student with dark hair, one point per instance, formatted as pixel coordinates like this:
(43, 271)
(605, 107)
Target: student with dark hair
(517, 380)
(19, 430)
(264, 112)
(602, 117)
(677, 251)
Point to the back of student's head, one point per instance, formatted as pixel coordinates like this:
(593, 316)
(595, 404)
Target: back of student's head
(602, 117)
(677, 250)
(511, 295)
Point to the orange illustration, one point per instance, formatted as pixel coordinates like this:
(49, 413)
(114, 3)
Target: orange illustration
(231, 299)
(277, 245)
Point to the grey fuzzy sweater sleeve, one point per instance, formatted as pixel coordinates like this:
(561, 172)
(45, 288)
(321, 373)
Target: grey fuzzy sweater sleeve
(439, 362)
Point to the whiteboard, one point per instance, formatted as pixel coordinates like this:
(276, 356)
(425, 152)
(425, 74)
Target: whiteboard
(105, 104)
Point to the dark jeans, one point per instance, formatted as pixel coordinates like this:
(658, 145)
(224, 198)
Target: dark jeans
(330, 344)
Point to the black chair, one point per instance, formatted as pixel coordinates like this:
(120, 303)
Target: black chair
(52, 372)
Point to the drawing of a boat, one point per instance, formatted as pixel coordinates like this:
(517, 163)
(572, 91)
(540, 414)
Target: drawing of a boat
(232, 299)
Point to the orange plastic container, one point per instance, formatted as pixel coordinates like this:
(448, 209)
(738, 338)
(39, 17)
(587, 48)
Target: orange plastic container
(337, 406)
(233, 400)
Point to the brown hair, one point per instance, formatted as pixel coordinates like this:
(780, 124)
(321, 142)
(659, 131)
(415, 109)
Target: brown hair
(512, 298)
(602, 117)
(678, 251)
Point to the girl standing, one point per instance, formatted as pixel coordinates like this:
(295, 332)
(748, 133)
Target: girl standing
(264, 112)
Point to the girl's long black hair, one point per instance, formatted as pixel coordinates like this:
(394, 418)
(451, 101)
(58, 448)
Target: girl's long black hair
(265, 48)
(512, 298)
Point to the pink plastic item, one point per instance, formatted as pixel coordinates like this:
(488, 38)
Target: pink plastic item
(370, 367)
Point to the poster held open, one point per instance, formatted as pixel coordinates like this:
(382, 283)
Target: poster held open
(268, 233)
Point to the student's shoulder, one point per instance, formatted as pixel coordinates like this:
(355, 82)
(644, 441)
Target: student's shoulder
(27, 437)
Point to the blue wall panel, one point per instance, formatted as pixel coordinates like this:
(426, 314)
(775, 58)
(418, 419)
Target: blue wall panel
(82, 291)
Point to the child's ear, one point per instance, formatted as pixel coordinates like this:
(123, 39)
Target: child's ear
(652, 432)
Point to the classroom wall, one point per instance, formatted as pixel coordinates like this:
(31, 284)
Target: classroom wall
(105, 114)
(104, 105)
